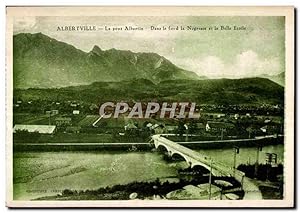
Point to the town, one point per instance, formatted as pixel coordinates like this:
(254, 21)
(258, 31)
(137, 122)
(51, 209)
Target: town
(74, 119)
(137, 110)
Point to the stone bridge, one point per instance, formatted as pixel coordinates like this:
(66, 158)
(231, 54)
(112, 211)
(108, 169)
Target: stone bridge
(194, 158)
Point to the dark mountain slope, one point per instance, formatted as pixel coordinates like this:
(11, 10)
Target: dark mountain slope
(41, 61)
(219, 91)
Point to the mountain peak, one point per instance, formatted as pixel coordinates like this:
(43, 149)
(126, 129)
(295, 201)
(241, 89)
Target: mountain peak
(96, 49)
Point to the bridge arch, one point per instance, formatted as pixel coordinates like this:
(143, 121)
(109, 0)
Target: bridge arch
(161, 147)
(177, 156)
(158, 144)
(187, 159)
(203, 165)
(201, 168)
(192, 162)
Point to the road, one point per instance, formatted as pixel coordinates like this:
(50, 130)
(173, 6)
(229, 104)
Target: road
(252, 191)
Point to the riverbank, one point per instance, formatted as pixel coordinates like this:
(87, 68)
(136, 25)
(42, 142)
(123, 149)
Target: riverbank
(158, 189)
(72, 143)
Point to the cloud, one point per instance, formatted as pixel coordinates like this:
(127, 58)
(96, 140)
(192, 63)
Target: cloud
(245, 64)
(24, 23)
(211, 66)
(248, 63)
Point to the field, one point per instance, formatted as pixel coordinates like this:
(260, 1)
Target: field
(88, 120)
(29, 118)
(104, 125)
(120, 122)
(80, 138)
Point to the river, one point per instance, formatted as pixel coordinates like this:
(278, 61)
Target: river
(38, 174)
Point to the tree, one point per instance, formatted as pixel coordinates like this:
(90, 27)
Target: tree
(192, 127)
(181, 128)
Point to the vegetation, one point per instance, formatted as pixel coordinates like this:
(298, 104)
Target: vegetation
(24, 135)
(143, 190)
(264, 171)
(270, 179)
(217, 92)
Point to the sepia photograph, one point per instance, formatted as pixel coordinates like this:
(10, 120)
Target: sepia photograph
(150, 106)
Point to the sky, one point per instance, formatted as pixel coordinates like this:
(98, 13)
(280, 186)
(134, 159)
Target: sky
(256, 50)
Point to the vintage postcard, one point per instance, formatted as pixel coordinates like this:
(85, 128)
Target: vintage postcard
(150, 106)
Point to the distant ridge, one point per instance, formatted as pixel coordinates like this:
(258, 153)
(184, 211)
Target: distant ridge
(279, 78)
(209, 91)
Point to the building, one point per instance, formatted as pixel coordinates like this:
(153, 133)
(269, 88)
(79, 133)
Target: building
(130, 126)
(248, 115)
(236, 116)
(73, 129)
(93, 107)
(271, 129)
(42, 129)
(149, 125)
(48, 112)
(218, 126)
(214, 115)
(51, 112)
(54, 112)
(63, 121)
(158, 128)
(200, 126)
(170, 129)
(267, 120)
(76, 112)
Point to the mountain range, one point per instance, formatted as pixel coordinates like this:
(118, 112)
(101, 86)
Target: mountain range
(42, 62)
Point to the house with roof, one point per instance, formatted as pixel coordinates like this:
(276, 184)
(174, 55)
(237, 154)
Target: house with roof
(218, 126)
(157, 128)
(130, 126)
(63, 121)
(54, 112)
(73, 129)
(51, 112)
(76, 112)
(48, 112)
(200, 126)
(73, 104)
(271, 129)
(149, 125)
(170, 129)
